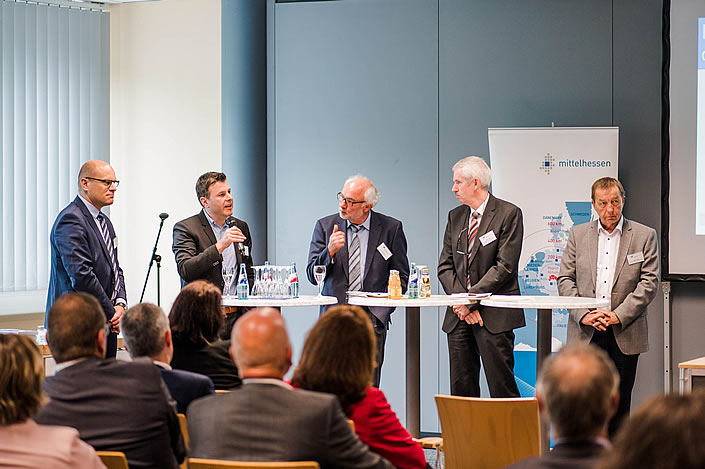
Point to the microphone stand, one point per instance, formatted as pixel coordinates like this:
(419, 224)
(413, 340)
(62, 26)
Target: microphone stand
(155, 258)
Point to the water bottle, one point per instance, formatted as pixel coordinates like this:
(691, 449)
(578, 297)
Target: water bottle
(413, 290)
(293, 281)
(243, 286)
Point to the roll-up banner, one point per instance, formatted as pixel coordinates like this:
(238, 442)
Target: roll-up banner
(548, 173)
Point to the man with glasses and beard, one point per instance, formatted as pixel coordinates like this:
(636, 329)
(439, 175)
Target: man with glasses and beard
(359, 247)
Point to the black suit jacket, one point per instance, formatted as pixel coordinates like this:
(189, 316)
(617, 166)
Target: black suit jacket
(212, 360)
(383, 229)
(574, 454)
(196, 255)
(117, 406)
(80, 260)
(186, 386)
(493, 267)
(266, 422)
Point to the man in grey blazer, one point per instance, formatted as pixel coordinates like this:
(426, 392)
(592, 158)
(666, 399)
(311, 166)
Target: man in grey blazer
(268, 420)
(616, 259)
(115, 405)
(481, 249)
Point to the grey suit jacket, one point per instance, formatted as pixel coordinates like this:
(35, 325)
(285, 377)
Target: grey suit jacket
(635, 282)
(267, 422)
(117, 406)
(493, 267)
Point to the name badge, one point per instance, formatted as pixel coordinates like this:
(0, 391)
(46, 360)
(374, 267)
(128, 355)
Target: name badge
(488, 237)
(384, 250)
(115, 242)
(635, 258)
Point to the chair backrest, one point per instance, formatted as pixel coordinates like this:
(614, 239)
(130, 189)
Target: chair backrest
(197, 463)
(184, 434)
(184, 428)
(113, 459)
(488, 433)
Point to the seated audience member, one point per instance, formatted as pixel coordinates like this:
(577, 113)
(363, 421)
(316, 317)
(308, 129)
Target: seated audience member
(24, 443)
(268, 420)
(115, 405)
(145, 329)
(339, 358)
(578, 390)
(195, 318)
(664, 433)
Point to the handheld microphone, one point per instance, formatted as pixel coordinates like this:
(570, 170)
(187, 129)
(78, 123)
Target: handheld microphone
(230, 221)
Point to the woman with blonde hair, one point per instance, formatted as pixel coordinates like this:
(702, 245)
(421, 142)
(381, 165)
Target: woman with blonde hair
(23, 442)
(339, 358)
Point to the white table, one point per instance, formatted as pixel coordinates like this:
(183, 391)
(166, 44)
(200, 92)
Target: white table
(303, 300)
(413, 345)
(544, 306)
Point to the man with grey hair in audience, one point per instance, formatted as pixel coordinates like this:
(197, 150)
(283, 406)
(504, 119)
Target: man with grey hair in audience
(266, 419)
(146, 332)
(578, 390)
(358, 248)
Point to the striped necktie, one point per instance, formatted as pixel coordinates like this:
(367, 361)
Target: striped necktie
(111, 250)
(354, 260)
(472, 232)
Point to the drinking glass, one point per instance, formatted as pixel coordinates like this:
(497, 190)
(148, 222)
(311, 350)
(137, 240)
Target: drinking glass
(257, 287)
(228, 277)
(319, 273)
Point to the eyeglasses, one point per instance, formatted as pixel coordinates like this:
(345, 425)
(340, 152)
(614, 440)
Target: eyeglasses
(348, 201)
(107, 182)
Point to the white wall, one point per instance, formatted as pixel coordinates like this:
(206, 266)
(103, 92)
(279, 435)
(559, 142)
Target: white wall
(165, 110)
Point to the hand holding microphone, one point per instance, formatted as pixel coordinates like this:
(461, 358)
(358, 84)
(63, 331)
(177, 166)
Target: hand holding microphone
(232, 235)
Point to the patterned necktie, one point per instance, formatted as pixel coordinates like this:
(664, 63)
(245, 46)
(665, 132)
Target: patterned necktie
(111, 250)
(472, 232)
(354, 260)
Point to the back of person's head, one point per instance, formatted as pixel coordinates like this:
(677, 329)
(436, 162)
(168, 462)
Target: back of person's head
(143, 328)
(21, 372)
(579, 388)
(664, 433)
(196, 315)
(260, 345)
(338, 355)
(75, 319)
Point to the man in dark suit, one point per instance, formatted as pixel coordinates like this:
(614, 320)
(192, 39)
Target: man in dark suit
(84, 248)
(577, 390)
(205, 243)
(115, 405)
(359, 247)
(268, 420)
(617, 259)
(145, 329)
(481, 248)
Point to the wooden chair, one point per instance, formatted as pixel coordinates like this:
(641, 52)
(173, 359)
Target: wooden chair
(184, 434)
(113, 459)
(488, 433)
(432, 442)
(197, 463)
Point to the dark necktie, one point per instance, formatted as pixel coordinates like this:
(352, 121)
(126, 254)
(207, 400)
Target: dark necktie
(354, 260)
(472, 232)
(111, 251)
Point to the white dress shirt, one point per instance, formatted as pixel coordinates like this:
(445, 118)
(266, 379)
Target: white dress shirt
(607, 248)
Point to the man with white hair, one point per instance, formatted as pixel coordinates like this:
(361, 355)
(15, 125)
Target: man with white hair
(481, 248)
(359, 247)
